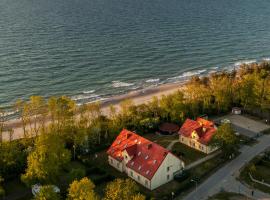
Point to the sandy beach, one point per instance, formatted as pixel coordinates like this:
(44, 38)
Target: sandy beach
(138, 97)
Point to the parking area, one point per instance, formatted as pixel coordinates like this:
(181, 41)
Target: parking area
(244, 125)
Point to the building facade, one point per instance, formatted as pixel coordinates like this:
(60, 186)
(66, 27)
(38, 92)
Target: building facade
(197, 134)
(142, 160)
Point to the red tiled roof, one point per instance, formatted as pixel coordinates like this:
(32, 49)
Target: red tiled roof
(204, 128)
(147, 155)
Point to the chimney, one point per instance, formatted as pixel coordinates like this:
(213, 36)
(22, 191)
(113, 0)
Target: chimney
(128, 135)
(149, 146)
(165, 153)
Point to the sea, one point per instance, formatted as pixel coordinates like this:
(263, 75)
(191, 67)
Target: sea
(91, 50)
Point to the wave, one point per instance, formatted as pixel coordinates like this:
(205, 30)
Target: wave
(186, 75)
(117, 84)
(154, 80)
(246, 62)
(84, 97)
(89, 92)
(10, 113)
(266, 59)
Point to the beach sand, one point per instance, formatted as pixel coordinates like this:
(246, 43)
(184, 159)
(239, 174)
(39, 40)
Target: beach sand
(138, 97)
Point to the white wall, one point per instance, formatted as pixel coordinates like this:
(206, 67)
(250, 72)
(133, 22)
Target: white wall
(160, 178)
(142, 180)
(197, 145)
(115, 163)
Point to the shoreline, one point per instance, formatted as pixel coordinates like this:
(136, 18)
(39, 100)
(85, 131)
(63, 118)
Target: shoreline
(138, 97)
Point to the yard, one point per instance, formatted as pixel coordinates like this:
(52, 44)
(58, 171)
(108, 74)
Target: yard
(228, 196)
(162, 140)
(259, 169)
(187, 154)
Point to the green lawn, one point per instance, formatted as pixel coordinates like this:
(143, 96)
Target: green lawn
(162, 140)
(267, 131)
(15, 189)
(262, 172)
(228, 196)
(247, 140)
(187, 154)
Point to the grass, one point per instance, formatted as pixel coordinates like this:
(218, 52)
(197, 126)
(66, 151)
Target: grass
(267, 131)
(162, 140)
(247, 140)
(228, 196)
(262, 172)
(187, 154)
(15, 189)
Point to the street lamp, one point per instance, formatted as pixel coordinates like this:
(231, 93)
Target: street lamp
(192, 180)
(74, 151)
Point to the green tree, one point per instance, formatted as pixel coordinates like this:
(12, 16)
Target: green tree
(76, 174)
(47, 159)
(122, 189)
(2, 191)
(82, 190)
(226, 139)
(12, 158)
(47, 193)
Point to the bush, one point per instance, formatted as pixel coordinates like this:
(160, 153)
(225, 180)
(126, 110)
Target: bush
(103, 179)
(76, 174)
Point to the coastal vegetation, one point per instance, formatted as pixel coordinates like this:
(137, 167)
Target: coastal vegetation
(57, 132)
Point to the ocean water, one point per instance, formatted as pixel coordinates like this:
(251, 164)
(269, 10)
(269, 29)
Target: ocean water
(92, 49)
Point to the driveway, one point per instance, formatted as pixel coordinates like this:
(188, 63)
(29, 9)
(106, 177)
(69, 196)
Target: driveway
(225, 177)
(244, 125)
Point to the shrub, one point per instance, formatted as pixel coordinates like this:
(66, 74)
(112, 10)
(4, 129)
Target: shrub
(76, 174)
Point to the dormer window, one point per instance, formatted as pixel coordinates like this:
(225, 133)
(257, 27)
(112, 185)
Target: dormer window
(155, 161)
(147, 172)
(146, 157)
(139, 142)
(118, 142)
(132, 163)
(139, 153)
(139, 168)
(136, 141)
(125, 146)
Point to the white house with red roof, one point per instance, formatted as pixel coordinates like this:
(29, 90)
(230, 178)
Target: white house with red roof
(197, 134)
(142, 160)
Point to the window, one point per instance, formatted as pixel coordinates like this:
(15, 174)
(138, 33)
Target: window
(117, 165)
(182, 139)
(168, 177)
(131, 173)
(126, 157)
(146, 182)
(139, 178)
(111, 160)
(168, 169)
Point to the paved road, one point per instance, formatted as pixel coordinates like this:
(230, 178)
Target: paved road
(224, 178)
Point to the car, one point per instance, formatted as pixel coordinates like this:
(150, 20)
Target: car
(36, 189)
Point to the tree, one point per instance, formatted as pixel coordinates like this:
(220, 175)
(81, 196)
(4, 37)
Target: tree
(47, 192)
(82, 190)
(12, 158)
(46, 160)
(124, 189)
(2, 191)
(225, 139)
(76, 174)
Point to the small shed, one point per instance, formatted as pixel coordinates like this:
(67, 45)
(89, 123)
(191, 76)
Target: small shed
(236, 111)
(168, 128)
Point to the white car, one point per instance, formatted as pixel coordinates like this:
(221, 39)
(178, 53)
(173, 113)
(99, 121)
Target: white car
(36, 189)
